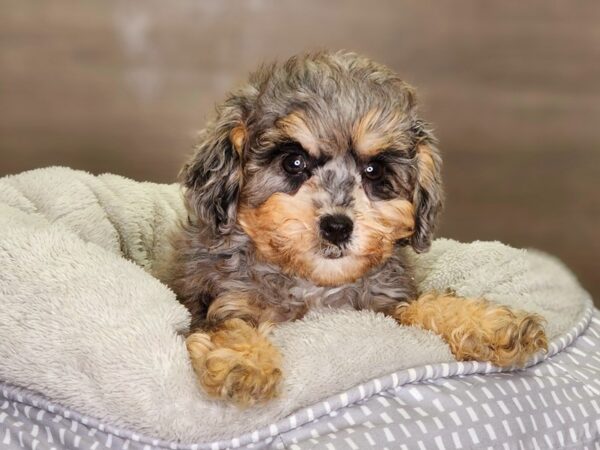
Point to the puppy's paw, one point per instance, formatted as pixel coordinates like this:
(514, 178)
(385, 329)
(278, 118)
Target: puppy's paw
(236, 362)
(502, 336)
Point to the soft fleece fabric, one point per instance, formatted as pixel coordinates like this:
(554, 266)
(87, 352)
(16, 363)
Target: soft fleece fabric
(83, 320)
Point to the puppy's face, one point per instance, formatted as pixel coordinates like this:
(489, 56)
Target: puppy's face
(323, 163)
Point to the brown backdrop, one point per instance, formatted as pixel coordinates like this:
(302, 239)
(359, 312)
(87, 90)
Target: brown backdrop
(513, 89)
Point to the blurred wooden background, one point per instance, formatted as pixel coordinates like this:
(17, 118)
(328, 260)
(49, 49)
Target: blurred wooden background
(513, 89)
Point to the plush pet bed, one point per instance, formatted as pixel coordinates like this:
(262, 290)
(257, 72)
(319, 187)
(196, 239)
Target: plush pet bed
(92, 354)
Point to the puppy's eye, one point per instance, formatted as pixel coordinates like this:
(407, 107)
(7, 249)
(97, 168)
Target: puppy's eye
(373, 171)
(294, 163)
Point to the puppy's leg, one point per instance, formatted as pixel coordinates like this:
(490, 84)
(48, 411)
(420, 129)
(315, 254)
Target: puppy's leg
(234, 359)
(477, 329)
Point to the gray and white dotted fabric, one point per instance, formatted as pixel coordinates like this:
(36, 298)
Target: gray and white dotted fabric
(554, 403)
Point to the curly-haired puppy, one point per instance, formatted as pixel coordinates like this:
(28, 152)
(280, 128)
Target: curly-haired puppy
(306, 190)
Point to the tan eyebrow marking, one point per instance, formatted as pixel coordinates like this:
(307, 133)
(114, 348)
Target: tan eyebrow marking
(296, 128)
(374, 132)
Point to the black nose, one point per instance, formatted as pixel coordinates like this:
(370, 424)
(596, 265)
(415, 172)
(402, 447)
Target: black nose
(336, 228)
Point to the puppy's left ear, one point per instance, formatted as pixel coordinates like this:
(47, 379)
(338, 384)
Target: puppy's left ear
(428, 196)
(213, 176)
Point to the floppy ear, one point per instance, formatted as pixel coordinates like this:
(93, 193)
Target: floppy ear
(213, 176)
(428, 195)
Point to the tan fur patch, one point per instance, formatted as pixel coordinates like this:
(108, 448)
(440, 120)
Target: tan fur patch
(232, 305)
(295, 127)
(283, 228)
(426, 166)
(380, 224)
(285, 232)
(374, 132)
(476, 329)
(237, 136)
(236, 362)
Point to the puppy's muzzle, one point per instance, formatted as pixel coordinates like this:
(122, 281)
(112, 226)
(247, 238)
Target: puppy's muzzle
(336, 228)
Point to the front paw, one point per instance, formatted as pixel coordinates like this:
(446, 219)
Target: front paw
(502, 336)
(236, 362)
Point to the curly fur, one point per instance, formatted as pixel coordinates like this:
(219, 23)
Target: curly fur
(236, 361)
(252, 248)
(476, 329)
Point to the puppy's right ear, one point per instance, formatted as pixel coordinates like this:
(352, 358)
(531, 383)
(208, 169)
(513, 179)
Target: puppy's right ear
(213, 176)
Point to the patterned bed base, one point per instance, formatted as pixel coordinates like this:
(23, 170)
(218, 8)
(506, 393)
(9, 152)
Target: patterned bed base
(554, 403)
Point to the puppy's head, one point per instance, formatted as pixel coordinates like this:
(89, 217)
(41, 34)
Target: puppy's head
(323, 163)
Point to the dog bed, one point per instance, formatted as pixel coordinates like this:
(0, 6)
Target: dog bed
(92, 353)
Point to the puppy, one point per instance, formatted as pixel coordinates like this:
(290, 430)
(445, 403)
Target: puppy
(307, 190)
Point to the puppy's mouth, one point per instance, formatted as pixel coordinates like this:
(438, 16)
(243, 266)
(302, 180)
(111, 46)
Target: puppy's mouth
(332, 251)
